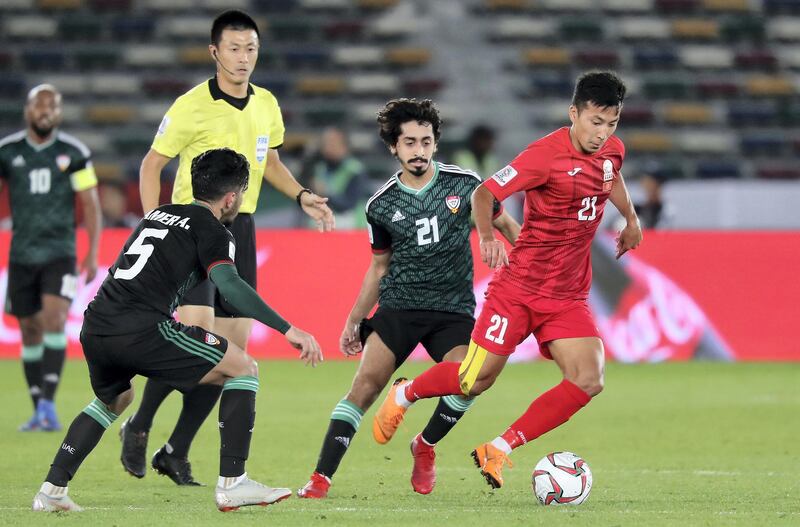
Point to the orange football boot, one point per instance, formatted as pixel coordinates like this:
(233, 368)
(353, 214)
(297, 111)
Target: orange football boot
(389, 415)
(490, 460)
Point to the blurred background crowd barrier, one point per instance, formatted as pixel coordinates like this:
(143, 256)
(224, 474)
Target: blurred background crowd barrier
(682, 295)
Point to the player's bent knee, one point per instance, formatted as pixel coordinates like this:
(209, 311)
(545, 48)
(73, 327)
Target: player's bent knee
(249, 366)
(591, 384)
(481, 385)
(122, 401)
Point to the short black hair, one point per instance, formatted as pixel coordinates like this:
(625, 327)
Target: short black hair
(601, 88)
(217, 172)
(399, 111)
(232, 19)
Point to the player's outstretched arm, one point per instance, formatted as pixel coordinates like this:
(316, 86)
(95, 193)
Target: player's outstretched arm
(279, 176)
(150, 179)
(93, 220)
(349, 342)
(507, 226)
(493, 252)
(249, 304)
(631, 236)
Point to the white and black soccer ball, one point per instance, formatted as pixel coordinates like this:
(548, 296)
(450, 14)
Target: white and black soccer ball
(561, 478)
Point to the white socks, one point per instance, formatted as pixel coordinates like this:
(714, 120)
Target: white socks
(230, 482)
(501, 444)
(52, 491)
(400, 395)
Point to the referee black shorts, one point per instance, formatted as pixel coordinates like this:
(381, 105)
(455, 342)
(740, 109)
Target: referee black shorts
(401, 330)
(173, 353)
(205, 293)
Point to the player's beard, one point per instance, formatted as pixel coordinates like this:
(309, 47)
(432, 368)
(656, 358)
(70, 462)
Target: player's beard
(417, 171)
(42, 132)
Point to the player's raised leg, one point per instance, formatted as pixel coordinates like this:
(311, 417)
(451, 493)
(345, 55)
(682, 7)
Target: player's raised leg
(475, 374)
(376, 367)
(581, 361)
(237, 412)
(83, 435)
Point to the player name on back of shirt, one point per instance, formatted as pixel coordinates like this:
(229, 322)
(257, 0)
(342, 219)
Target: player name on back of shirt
(167, 219)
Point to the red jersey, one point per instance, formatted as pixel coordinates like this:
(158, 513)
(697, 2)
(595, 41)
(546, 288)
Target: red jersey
(565, 195)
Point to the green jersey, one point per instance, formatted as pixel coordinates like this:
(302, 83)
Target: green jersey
(42, 181)
(427, 232)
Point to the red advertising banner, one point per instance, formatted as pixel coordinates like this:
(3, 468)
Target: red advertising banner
(681, 295)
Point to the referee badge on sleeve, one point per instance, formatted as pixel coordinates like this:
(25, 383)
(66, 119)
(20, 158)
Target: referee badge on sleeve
(262, 145)
(162, 128)
(453, 203)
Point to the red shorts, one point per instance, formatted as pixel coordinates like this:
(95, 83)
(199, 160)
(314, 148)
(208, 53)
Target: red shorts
(507, 319)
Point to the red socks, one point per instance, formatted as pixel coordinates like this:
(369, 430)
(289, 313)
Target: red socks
(551, 409)
(438, 380)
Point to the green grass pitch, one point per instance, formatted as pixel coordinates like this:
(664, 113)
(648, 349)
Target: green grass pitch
(669, 444)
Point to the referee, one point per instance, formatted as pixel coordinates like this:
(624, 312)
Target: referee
(224, 112)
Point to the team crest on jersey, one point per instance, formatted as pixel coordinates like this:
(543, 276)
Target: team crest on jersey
(453, 203)
(262, 145)
(608, 175)
(505, 175)
(63, 162)
(211, 340)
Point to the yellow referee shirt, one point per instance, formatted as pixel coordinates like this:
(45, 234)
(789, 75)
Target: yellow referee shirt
(205, 118)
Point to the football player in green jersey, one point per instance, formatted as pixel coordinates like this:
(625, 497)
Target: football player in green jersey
(420, 278)
(45, 169)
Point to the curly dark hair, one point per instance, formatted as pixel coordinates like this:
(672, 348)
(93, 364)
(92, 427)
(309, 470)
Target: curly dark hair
(399, 111)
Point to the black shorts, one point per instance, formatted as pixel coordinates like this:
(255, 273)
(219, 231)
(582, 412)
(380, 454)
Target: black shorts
(205, 293)
(28, 282)
(401, 331)
(175, 354)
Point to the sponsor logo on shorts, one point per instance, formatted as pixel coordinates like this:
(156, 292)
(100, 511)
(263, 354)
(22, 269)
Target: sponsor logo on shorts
(453, 203)
(505, 175)
(211, 339)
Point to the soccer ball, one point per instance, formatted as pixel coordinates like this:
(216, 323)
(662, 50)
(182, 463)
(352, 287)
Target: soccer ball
(561, 478)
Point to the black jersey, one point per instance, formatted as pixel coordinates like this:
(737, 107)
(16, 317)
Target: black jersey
(172, 249)
(427, 231)
(42, 180)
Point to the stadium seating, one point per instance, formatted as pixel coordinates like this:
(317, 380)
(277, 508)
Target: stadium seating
(704, 76)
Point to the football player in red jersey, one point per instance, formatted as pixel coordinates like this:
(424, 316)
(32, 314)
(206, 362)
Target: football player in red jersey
(542, 286)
